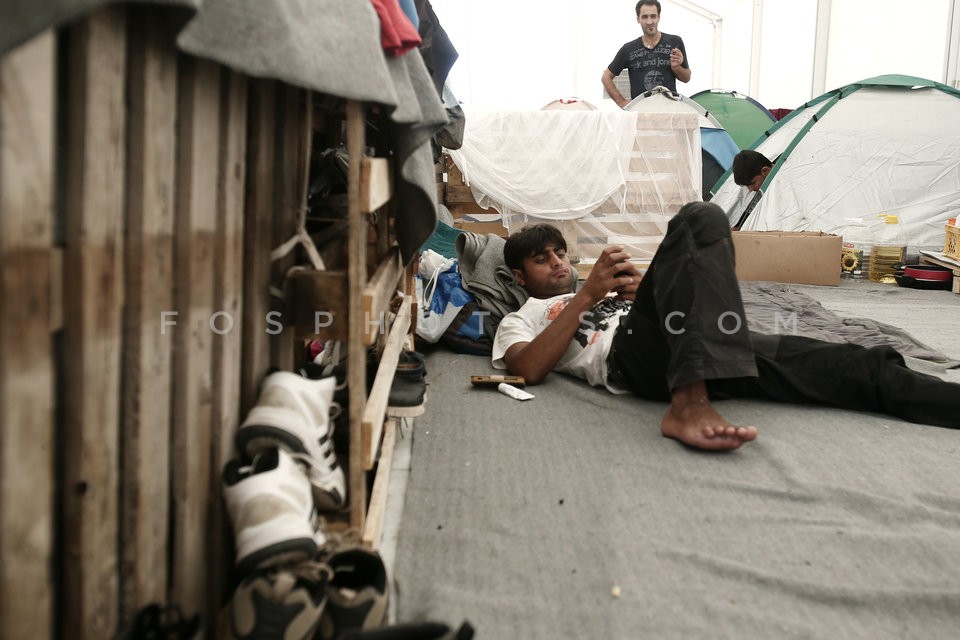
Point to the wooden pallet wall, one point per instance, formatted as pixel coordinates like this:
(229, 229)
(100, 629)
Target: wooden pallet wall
(141, 191)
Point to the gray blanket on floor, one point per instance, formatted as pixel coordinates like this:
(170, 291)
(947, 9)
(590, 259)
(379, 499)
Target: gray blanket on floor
(569, 516)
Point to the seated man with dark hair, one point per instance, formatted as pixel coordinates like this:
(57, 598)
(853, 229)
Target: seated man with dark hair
(750, 169)
(679, 334)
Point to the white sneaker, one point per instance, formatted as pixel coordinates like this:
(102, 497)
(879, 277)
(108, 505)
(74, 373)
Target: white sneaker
(271, 508)
(293, 413)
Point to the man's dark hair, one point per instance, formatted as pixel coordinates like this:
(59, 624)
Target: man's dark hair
(747, 165)
(654, 3)
(530, 241)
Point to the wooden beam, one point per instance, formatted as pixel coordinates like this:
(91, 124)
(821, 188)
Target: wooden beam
(373, 527)
(227, 344)
(292, 136)
(148, 342)
(373, 414)
(357, 280)
(196, 227)
(258, 209)
(27, 395)
(376, 184)
(94, 171)
(378, 293)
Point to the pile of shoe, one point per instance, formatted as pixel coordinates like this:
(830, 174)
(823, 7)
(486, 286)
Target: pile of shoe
(286, 475)
(342, 590)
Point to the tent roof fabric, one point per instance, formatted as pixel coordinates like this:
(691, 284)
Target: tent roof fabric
(889, 144)
(744, 118)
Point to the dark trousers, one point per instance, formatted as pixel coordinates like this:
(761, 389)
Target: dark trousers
(688, 324)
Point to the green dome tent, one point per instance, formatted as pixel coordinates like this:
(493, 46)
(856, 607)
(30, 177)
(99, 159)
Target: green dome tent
(744, 118)
(884, 145)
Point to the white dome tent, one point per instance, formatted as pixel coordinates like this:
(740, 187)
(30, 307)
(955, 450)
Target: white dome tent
(885, 145)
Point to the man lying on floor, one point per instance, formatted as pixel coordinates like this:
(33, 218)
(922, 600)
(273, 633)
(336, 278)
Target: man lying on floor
(679, 334)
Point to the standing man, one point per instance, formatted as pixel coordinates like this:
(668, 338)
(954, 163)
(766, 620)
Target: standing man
(654, 59)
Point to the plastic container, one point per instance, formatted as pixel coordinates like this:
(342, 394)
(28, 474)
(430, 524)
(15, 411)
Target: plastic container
(853, 260)
(888, 252)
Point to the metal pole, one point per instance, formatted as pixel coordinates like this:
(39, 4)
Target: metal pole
(821, 49)
(951, 65)
(755, 47)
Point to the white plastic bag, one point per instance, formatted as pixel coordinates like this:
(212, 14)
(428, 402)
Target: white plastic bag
(441, 298)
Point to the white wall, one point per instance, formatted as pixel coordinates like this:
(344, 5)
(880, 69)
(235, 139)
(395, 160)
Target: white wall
(526, 53)
(891, 37)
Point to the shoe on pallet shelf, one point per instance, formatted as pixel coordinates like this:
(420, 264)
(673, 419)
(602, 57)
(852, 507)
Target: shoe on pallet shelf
(270, 504)
(284, 602)
(357, 592)
(408, 393)
(293, 413)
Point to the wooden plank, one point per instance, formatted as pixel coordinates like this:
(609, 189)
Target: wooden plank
(259, 320)
(458, 210)
(318, 304)
(373, 527)
(586, 228)
(357, 280)
(376, 184)
(373, 414)
(483, 228)
(292, 134)
(148, 341)
(195, 228)
(377, 295)
(27, 392)
(227, 344)
(667, 121)
(460, 195)
(56, 289)
(678, 165)
(93, 299)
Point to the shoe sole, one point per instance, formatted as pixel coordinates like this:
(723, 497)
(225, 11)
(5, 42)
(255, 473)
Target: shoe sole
(408, 412)
(288, 551)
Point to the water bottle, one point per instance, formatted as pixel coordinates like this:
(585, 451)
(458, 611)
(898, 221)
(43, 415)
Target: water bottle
(888, 252)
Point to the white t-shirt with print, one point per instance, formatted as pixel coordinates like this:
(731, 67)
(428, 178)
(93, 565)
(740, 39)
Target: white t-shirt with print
(586, 357)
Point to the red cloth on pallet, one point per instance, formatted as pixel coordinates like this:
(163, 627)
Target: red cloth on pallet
(397, 33)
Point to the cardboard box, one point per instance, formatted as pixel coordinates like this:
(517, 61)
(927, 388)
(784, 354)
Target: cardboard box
(800, 257)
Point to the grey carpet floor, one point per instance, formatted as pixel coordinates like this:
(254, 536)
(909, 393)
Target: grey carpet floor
(569, 516)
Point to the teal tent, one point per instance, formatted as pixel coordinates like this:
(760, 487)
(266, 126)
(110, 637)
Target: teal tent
(744, 118)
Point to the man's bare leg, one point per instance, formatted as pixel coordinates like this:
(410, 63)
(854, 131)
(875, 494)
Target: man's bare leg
(692, 420)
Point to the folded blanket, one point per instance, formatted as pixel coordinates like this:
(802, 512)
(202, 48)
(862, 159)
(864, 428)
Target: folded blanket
(486, 275)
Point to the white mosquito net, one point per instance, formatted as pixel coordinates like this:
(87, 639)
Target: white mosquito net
(602, 177)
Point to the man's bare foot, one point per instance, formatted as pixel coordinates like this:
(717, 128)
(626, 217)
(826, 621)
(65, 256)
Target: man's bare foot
(692, 420)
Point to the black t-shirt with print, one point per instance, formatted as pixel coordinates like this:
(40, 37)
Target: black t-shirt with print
(649, 67)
